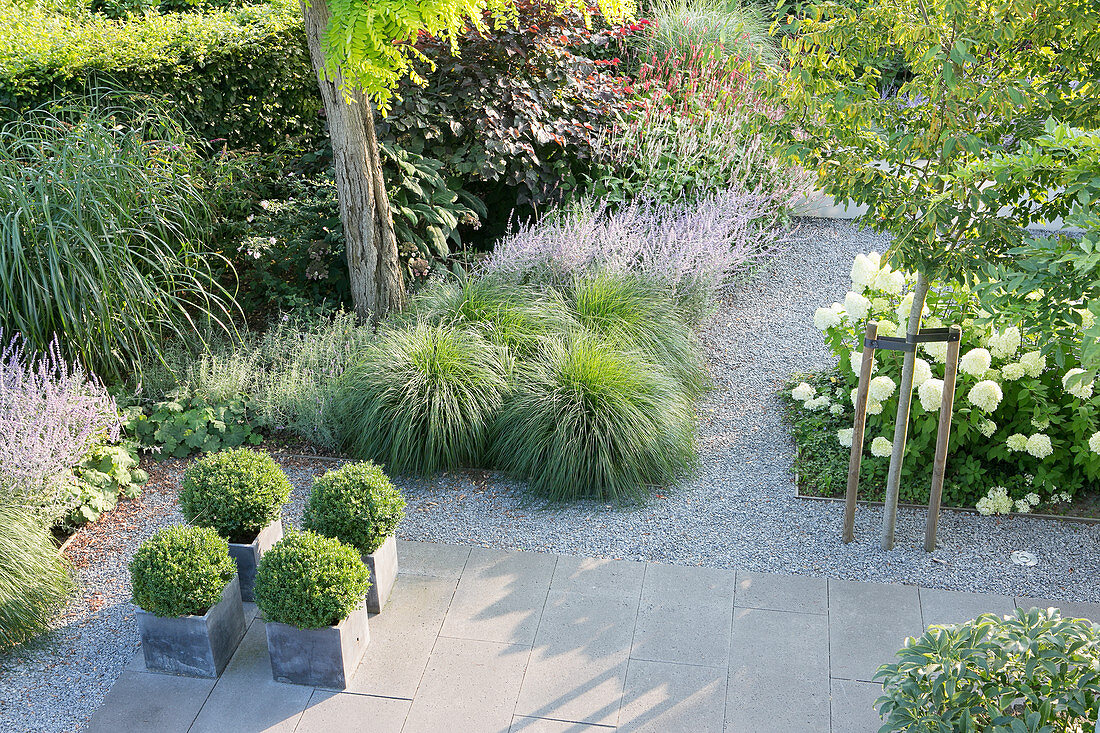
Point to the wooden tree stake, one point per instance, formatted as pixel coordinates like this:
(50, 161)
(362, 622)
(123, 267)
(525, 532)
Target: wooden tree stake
(857, 433)
(943, 434)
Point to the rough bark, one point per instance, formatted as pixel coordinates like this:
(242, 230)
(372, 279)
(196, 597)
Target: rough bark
(374, 271)
(901, 425)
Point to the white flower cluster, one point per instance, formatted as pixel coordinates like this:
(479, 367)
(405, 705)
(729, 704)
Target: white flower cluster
(836, 409)
(1013, 371)
(881, 447)
(976, 362)
(931, 394)
(1005, 344)
(1033, 363)
(1037, 445)
(881, 388)
(922, 372)
(831, 317)
(865, 270)
(817, 403)
(856, 306)
(803, 392)
(1080, 387)
(844, 435)
(987, 428)
(1016, 442)
(1024, 506)
(937, 350)
(997, 501)
(1094, 442)
(1061, 497)
(985, 395)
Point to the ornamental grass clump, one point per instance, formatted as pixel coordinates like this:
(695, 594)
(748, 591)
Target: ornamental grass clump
(636, 314)
(310, 581)
(591, 420)
(236, 492)
(357, 504)
(35, 582)
(422, 399)
(181, 571)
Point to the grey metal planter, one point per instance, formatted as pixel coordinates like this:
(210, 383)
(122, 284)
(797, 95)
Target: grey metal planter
(383, 574)
(324, 657)
(199, 646)
(248, 556)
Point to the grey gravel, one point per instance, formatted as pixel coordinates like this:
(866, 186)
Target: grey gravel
(740, 511)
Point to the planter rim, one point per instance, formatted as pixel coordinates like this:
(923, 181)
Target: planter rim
(234, 579)
(343, 621)
(254, 542)
(380, 545)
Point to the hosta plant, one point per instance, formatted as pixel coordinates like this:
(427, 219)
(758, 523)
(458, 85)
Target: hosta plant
(185, 423)
(1031, 671)
(1025, 431)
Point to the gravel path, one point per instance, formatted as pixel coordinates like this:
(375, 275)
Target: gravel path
(740, 511)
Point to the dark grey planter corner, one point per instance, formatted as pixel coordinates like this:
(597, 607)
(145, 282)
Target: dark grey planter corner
(247, 556)
(325, 657)
(198, 646)
(383, 574)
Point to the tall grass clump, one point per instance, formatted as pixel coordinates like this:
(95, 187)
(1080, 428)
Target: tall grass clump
(504, 310)
(729, 30)
(52, 415)
(422, 399)
(694, 248)
(101, 220)
(637, 314)
(34, 578)
(589, 420)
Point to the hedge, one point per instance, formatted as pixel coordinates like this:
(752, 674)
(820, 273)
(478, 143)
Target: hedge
(241, 75)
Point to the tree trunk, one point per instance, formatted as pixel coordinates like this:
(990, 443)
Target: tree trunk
(377, 285)
(901, 425)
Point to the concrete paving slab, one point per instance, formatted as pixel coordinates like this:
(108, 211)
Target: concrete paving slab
(940, 607)
(704, 585)
(778, 673)
(344, 712)
(246, 699)
(522, 724)
(578, 666)
(660, 697)
(500, 596)
(468, 685)
(430, 558)
(868, 623)
(402, 637)
(1069, 609)
(597, 576)
(150, 701)
(683, 631)
(782, 592)
(853, 706)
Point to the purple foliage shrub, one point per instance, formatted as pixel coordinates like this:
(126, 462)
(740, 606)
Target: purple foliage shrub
(692, 247)
(51, 416)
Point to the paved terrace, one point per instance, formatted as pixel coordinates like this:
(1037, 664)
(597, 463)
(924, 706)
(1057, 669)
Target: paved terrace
(480, 640)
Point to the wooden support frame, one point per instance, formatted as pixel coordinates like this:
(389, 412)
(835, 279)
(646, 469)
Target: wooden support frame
(943, 435)
(857, 431)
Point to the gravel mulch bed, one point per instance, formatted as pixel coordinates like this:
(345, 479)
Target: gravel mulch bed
(740, 511)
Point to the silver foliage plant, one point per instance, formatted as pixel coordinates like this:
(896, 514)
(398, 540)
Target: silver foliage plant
(52, 415)
(692, 247)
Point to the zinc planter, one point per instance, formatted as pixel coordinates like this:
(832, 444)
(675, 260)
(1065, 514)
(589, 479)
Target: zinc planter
(247, 556)
(324, 657)
(383, 574)
(199, 646)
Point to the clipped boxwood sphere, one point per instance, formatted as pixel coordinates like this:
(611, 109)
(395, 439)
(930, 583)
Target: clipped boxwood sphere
(588, 420)
(181, 571)
(237, 492)
(309, 581)
(357, 504)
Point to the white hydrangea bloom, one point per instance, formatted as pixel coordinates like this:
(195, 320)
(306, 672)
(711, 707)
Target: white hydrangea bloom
(930, 394)
(1005, 344)
(997, 501)
(976, 362)
(1033, 363)
(856, 306)
(1013, 371)
(887, 328)
(1041, 424)
(984, 506)
(881, 388)
(836, 408)
(874, 408)
(817, 403)
(937, 350)
(803, 392)
(831, 317)
(864, 271)
(985, 395)
(922, 372)
(1094, 442)
(881, 447)
(890, 281)
(844, 435)
(904, 308)
(987, 428)
(881, 305)
(1022, 507)
(1081, 388)
(1039, 445)
(932, 322)
(1065, 496)
(1017, 442)
(855, 359)
(1032, 499)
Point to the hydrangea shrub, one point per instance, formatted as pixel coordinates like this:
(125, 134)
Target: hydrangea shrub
(1025, 430)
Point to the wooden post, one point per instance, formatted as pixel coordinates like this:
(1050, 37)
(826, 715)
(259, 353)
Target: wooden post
(943, 434)
(857, 433)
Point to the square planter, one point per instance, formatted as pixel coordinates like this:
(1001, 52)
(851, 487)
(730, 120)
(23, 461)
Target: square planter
(383, 573)
(199, 646)
(248, 556)
(324, 657)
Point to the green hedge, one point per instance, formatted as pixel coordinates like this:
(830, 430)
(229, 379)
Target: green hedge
(242, 75)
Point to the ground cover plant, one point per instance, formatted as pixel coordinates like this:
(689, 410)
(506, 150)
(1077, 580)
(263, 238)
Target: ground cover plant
(1030, 671)
(181, 571)
(1025, 435)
